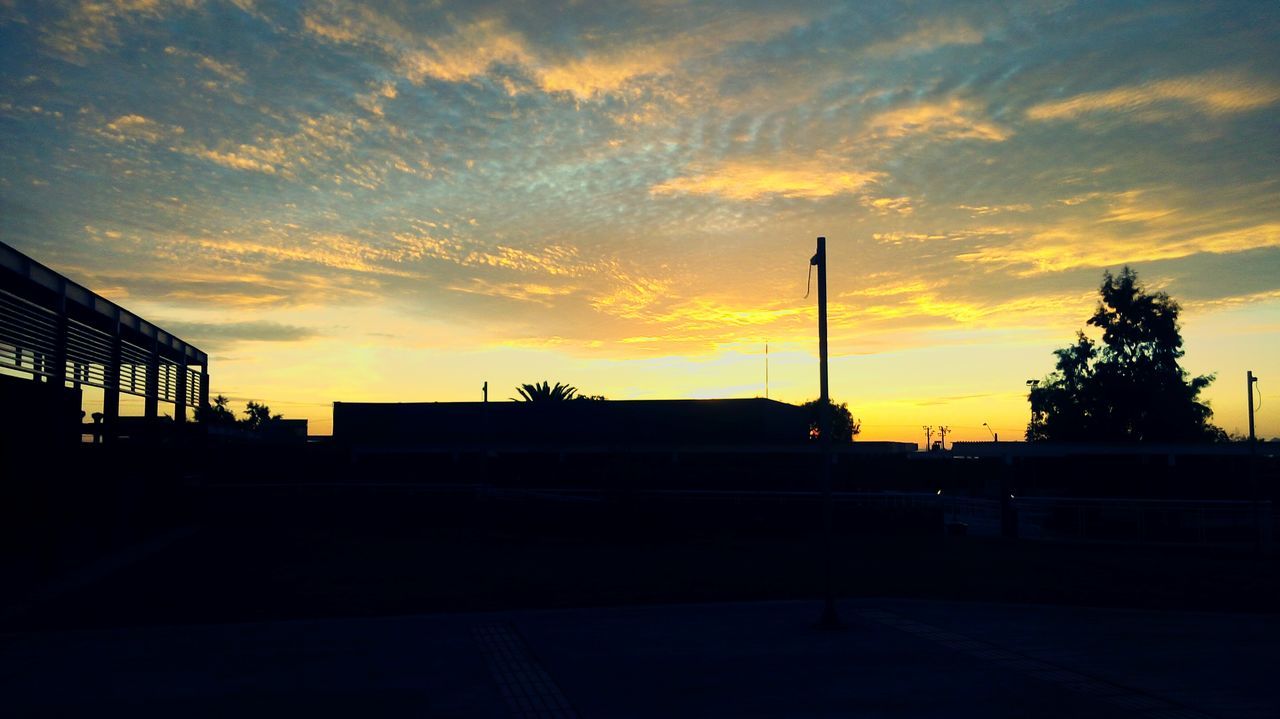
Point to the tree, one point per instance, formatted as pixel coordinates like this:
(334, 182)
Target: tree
(257, 416)
(843, 426)
(1129, 388)
(544, 393)
(218, 413)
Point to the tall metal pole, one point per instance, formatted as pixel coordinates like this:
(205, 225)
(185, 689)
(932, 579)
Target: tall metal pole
(820, 259)
(829, 619)
(1251, 381)
(1259, 532)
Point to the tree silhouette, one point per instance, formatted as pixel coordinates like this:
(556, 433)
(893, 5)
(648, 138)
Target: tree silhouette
(544, 393)
(843, 426)
(257, 416)
(217, 413)
(1129, 388)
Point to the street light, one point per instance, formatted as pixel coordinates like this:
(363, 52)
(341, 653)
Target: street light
(994, 437)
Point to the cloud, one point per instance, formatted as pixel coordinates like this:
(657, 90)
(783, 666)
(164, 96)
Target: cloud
(312, 149)
(1064, 248)
(976, 233)
(609, 67)
(92, 25)
(950, 119)
(631, 297)
(329, 250)
(553, 260)
(134, 127)
(746, 180)
(594, 63)
(537, 293)
(375, 100)
(888, 205)
(601, 73)
(228, 73)
(1213, 94)
(930, 35)
(889, 289)
(981, 210)
(465, 51)
(216, 334)
(242, 160)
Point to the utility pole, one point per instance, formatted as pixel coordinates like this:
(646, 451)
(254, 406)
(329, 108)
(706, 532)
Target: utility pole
(1261, 541)
(766, 369)
(485, 390)
(829, 619)
(942, 436)
(1251, 382)
(928, 437)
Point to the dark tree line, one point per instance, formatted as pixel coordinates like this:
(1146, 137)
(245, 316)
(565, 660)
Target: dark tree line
(219, 413)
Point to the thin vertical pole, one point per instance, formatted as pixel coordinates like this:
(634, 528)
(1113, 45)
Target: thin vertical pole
(1259, 533)
(829, 619)
(820, 259)
(766, 369)
(1251, 380)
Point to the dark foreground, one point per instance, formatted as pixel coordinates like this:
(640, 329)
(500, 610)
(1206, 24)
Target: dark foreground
(527, 607)
(891, 659)
(252, 573)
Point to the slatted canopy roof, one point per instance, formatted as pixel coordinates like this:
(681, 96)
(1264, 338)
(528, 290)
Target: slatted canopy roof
(55, 329)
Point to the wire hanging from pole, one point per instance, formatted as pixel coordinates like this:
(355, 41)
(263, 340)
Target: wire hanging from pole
(808, 282)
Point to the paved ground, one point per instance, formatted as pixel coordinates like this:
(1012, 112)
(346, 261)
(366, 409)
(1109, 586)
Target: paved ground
(761, 659)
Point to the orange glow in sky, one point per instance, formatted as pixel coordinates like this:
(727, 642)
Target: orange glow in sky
(356, 201)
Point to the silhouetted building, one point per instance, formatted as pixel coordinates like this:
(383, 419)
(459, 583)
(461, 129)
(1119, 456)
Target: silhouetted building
(286, 431)
(576, 422)
(61, 336)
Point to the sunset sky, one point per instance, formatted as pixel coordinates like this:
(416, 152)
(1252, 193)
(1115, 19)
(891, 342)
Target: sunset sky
(399, 201)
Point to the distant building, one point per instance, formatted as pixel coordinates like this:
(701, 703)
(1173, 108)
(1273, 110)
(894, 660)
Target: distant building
(576, 422)
(286, 431)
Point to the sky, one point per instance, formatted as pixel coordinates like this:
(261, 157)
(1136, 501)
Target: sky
(364, 201)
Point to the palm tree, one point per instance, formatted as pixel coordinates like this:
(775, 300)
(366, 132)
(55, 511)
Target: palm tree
(543, 393)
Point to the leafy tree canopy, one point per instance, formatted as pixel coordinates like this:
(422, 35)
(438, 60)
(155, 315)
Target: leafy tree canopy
(843, 426)
(1130, 387)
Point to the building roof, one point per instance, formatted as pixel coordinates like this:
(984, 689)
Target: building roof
(719, 421)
